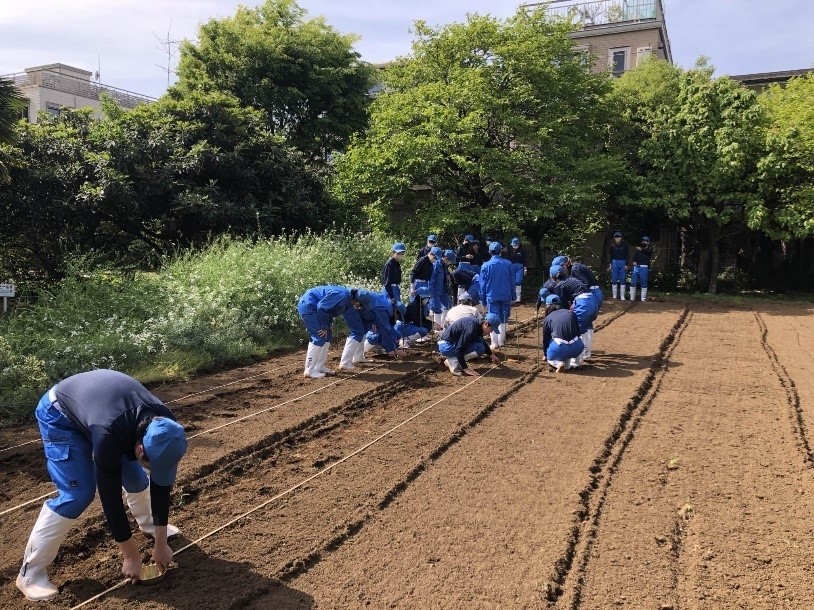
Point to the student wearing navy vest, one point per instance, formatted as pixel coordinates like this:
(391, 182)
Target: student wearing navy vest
(517, 257)
(562, 344)
(641, 268)
(618, 267)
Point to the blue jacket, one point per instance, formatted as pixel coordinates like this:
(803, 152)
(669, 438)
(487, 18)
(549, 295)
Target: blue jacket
(377, 309)
(497, 280)
(438, 279)
(328, 302)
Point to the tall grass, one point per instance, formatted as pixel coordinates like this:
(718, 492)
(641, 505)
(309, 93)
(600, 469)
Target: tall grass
(235, 300)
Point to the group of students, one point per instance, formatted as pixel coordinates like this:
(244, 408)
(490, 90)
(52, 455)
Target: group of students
(447, 291)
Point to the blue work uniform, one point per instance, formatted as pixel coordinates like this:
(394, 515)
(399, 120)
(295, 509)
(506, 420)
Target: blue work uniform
(437, 286)
(88, 425)
(573, 292)
(619, 255)
(641, 266)
(377, 310)
(463, 337)
(546, 289)
(561, 336)
(319, 306)
(497, 287)
(587, 277)
(468, 259)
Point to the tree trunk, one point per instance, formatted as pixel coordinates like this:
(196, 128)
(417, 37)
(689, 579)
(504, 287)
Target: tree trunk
(714, 233)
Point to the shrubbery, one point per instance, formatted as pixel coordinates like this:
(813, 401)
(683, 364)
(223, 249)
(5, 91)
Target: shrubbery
(236, 299)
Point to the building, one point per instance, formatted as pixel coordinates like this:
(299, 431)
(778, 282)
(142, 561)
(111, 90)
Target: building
(55, 86)
(758, 82)
(618, 34)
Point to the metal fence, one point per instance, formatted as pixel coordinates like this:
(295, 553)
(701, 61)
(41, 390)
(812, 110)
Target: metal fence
(604, 12)
(77, 86)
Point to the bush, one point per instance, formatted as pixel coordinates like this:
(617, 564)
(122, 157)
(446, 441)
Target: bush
(235, 300)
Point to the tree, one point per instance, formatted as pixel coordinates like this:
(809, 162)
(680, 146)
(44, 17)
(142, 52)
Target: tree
(697, 161)
(499, 119)
(306, 76)
(10, 102)
(785, 209)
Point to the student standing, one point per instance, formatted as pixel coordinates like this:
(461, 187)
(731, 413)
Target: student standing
(517, 257)
(497, 285)
(641, 268)
(391, 275)
(619, 256)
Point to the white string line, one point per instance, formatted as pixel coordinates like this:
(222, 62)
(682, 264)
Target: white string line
(301, 483)
(169, 402)
(229, 423)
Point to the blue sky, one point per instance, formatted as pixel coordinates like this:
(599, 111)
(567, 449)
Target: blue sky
(122, 36)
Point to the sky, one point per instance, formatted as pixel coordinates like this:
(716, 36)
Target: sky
(124, 39)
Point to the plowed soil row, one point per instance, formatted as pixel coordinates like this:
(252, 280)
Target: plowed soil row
(671, 473)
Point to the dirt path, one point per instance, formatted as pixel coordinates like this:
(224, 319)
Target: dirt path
(672, 473)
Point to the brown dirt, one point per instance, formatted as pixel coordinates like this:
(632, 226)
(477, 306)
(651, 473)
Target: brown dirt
(673, 473)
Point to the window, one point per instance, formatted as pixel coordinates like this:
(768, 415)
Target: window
(618, 60)
(641, 54)
(52, 109)
(24, 111)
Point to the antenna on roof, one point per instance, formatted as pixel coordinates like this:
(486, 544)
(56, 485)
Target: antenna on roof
(170, 46)
(98, 74)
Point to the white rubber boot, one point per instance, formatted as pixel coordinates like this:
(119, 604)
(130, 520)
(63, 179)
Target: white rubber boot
(495, 339)
(453, 366)
(621, 292)
(371, 348)
(502, 334)
(323, 359)
(312, 362)
(633, 293)
(589, 344)
(615, 290)
(517, 291)
(644, 294)
(348, 354)
(359, 355)
(471, 356)
(438, 320)
(43, 543)
(444, 317)
(142, 510)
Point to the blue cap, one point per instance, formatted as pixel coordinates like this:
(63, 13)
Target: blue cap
(555, 271)
(469, 238)
(488, 237)
(436, 252)
(495, 247)
(493, 319)
(645, 238)
(474, 240)
(165, 444)
(449, 255)
(402, 308)
(559, 260)
(617, 234)
(398, 247)
(552, 298)
(515, 241)
(432, 238)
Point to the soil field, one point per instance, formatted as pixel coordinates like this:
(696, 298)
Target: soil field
(673, 472)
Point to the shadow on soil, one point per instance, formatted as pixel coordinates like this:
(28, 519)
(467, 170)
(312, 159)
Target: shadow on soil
(617, 365)
(202, 581)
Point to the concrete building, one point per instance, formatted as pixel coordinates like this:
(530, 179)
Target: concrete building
(618, 34)
(55, 86)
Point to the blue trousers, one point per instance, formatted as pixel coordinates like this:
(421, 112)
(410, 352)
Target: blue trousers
(447, 349)
(585, 309)
(639, 276)
(599, 297)
(408, 330)
(356, 326)
(618, 271)
(314, 322)
(564, 351)
(502, 309)
(396, 290)
(517, 270)
(69, 458)
(469, 267)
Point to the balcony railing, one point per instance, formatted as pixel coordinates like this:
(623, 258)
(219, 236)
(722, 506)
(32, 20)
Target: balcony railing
(77, 86)
(605, 12)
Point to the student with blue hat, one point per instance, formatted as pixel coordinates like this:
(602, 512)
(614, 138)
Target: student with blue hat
(100, 430)
(562, 344)
(463, 340)
(391, 275)
(497, 287)
(318, 307)
(641, 268)
(432, 242)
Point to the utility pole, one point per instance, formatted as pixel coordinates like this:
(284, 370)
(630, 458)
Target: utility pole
(170, 46)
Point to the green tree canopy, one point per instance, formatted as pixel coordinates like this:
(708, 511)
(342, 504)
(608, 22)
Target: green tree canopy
(786, 207)
(10, 102)
(499, 119)
(301, 72)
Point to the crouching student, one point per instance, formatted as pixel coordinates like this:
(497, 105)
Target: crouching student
(561, 337)
(376, 313)
(464, 308)
(463, 341)
(318, 307)
(100, 429)
(574, 294)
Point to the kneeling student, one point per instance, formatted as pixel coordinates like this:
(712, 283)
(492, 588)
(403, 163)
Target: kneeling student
(463, 340)
(561, 343)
